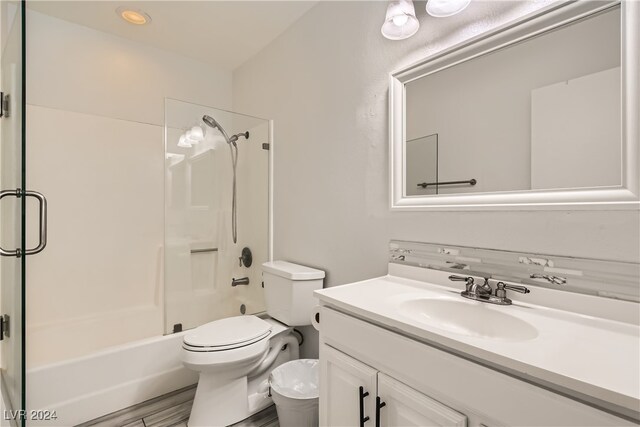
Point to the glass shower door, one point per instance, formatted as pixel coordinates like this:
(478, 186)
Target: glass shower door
(12, 208)
(207, 235)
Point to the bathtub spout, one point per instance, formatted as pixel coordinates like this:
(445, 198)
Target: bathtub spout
(241, 281)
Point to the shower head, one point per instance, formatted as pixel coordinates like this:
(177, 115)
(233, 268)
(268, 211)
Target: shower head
(211, 122)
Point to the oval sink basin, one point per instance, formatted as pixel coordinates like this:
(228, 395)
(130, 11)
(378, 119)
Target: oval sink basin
(471, 319)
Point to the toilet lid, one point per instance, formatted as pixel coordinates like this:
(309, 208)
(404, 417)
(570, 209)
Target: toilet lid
(231, 331)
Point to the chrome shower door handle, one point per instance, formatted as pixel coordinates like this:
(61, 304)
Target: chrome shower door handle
(17, 193)
(42, 240)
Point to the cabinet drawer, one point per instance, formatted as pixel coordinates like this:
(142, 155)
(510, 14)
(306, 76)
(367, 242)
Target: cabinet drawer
(455, 381)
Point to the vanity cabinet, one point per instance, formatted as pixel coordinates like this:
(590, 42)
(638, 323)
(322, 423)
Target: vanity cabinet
(417, 384)
(356, 394)
(347, 386)
(405, 406)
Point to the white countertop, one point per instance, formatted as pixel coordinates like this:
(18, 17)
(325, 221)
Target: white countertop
(594, 358)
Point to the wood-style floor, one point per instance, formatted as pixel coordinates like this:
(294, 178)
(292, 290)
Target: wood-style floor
(172, 410)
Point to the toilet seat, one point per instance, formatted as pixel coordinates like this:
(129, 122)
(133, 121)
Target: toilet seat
(227, 334)
(227, 346)
(210, 348)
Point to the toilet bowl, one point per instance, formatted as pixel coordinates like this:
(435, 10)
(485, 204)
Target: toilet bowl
(234, 356)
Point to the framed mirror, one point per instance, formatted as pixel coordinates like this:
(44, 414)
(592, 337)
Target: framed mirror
(542, 113)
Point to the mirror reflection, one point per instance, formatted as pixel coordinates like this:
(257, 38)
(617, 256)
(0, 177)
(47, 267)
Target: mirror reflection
(538, 115)
(422, 165)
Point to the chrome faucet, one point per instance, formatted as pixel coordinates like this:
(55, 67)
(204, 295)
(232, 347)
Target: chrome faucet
(241, 281)
(484, 289)
(485, 293)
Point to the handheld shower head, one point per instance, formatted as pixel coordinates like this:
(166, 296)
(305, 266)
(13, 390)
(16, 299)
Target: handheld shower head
(211, 122)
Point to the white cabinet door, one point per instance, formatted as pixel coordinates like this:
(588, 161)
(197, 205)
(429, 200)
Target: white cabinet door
(341, 377)
(404, 406)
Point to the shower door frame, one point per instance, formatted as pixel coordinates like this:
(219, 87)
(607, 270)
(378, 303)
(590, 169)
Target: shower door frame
(15, 411)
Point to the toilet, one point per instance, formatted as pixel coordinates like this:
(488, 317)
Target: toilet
(235, 356)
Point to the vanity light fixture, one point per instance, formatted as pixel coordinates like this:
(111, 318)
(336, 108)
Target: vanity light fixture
(444, 8)
(133, 16)
(400, 22)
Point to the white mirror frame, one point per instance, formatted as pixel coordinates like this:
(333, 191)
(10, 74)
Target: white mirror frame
(624, 197)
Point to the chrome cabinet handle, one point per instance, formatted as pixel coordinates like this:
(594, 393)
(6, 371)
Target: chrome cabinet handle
(42, 241)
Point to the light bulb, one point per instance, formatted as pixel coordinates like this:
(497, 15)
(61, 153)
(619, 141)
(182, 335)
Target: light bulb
(400, 20)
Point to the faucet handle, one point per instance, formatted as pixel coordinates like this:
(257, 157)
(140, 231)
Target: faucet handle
(467, 279)
(502, 287)
(517, 288)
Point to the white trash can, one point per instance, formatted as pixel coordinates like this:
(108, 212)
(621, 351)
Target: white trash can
(294, 389)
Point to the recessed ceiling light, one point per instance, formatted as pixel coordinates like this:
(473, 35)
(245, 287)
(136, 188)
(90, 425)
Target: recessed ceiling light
(133, 16)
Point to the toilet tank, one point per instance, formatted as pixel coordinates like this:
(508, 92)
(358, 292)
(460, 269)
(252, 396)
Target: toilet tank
(288, 291)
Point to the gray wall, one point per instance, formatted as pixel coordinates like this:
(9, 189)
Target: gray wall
(324, 82)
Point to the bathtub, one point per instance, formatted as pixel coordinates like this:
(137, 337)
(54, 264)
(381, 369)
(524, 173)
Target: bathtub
(88, 387)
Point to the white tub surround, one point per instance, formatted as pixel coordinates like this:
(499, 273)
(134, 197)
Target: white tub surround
(86, 388)
(577, 352)
(104, 297)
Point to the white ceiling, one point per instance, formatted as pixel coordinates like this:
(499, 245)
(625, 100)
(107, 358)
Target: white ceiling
(221, 33)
